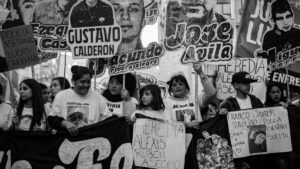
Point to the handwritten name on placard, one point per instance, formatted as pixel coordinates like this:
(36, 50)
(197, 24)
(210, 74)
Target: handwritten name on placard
(159, 145)
(259, 131)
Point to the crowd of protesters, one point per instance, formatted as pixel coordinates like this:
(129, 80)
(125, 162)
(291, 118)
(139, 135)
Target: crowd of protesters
(62, 107)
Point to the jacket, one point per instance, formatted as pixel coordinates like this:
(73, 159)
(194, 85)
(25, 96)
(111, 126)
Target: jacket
(231, 103)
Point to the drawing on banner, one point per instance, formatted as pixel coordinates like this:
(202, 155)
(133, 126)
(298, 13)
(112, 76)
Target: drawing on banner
(78, 115)
(281, 44)
(196, 25)
(158, 145)
(259, 131)
(214, 152)
(93, 32)
(257, 139)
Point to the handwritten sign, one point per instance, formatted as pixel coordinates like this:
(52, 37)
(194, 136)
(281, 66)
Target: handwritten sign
(259, 131)
(257, 68)
(158, 145)
(17, 48)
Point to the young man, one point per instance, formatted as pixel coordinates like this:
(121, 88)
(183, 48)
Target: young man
(243, 100)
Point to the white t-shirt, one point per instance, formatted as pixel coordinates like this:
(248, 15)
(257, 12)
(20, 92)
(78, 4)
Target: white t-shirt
(6, 114)
(182, 109)
(117, 108)
(163, 115)
(80, 110)
(26, 119)
(244, 103)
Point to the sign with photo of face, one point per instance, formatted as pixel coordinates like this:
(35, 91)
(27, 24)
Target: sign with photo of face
(197, 25)
(93, 31)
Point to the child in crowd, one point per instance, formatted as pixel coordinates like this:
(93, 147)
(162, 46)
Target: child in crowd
(120, 101)
(151, 104)
(243, 100)
(31, 111)
(58, 84)
(275, 96)
(78, 106)
(46, 93)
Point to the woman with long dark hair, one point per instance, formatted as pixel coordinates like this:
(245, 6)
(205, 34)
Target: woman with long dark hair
(31, 112)
(275, 96)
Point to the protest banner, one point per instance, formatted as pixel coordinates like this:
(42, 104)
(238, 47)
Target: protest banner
(281, 78)
(17, 48)
(257, 68)
(261, 33)
(206, 33)
(158, 145)
(259, 131)
(101, 145)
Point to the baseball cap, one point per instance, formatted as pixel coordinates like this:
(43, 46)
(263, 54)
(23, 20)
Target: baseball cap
(242, 77)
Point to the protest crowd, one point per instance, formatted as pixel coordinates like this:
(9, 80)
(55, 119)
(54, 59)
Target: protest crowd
(131, 123)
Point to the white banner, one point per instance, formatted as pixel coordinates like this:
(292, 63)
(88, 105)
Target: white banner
(259, 131)
(158, 145)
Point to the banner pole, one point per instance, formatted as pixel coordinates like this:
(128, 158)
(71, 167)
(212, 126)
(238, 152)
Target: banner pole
(287, 83)
(95, 67)
(32, 72)
(65, 64)
(123, 87)
(196, 96)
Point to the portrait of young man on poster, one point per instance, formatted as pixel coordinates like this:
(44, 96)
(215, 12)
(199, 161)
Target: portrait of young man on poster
(284, 35)
(89, 13)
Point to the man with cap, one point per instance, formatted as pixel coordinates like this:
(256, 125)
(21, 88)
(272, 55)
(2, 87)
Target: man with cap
(243, 100)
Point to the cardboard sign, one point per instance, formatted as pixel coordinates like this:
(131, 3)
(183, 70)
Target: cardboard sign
(206, 33)
(259, 131)
(17, 48)
(158, 145)
(257, 68)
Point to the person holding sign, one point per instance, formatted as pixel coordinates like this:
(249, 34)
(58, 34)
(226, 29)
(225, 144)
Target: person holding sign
(243, 100)
(181, 104)
(31, 112)
(79, 105)
(88, 13)
(119, 100)
(130, 15)
(151, 105)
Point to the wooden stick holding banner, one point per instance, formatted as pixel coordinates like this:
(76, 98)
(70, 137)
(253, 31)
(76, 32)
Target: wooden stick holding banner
(65, 64)
(32, 72)
(196, 96)
(123, 101)
(287, 84)
(95, 67)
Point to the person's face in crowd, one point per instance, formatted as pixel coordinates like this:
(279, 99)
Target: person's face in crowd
(206, 135)
(82, 85)
(284, 21)
(244, 88)
(114, 87)
(25, 92)
(260, 138)
(129, 15)
(55, 87)
(147, 97)
(46, 95)
(91, 3)
(178, 89)
(26, 10)
(275, 94)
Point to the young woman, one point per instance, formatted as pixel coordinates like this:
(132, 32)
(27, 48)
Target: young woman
(151, 104)
(31, 111)
(58, 84)
(275, 96)
(120, 101)
(6, 112)
(78, 106)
